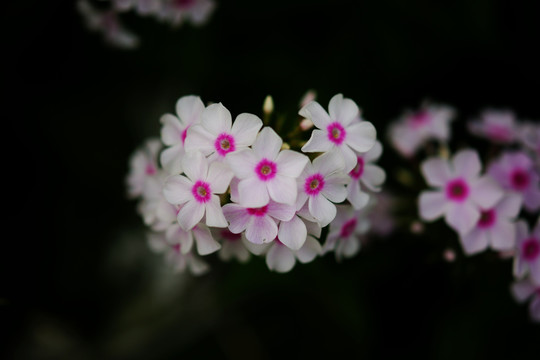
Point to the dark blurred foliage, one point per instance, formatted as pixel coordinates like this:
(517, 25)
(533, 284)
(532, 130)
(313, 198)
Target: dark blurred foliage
(77, 278)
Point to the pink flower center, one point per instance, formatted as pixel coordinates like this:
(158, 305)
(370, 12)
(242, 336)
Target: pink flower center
(229, 236)
(314, 184)
(419, 118)
(457, 190)
(519, 179)
(224, 144)
(266, 169)
(261, 211)
(358, 170)
(530, 249)
(347, 229)
(487, 218)
(201, 191)
(176, 248)
(336, 133)
(150, 169)
(184, 134)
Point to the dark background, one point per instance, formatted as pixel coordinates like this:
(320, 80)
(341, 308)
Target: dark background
(78, 281)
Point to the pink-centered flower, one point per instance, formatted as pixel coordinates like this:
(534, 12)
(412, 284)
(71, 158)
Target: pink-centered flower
(414, 129)
(515, 172)
(216, 136)
(460, 192)
(204, 240)
(365, 174)
(527, 256)
(265, 172)
(524, 290)
(260, 223)
(142, 166)
(495, 227)
(496, 125)
(322, 184)
(345, 231)
(340, 130)
(174, 131)
(196, 191)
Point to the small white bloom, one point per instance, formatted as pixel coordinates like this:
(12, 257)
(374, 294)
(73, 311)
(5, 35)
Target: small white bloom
(142, 166)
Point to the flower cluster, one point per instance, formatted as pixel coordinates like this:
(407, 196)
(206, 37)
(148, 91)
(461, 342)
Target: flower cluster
(486, 209)
(174, 12)
(238, 188)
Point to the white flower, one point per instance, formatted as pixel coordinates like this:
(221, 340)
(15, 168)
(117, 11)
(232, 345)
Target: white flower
(204, 240)
(142, 166)
(340, 130)
(232, 245)
(265, 172)
(218, 137)
(174, 130)
(174, 257)
(196, 192)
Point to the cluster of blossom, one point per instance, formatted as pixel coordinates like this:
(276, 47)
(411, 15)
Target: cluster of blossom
(490, 209)
(174, 12)
(211, 184)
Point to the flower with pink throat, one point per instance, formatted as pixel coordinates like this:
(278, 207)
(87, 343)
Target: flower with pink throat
(527, 256)
(414, 129)
(322, 184)
(217, 136)
(340, 130)
(460, 192)
(525, 289)
(196, 191)
(515, 172)
(265, 172)
(142, 166)
(366, 174)
(495, 228)
(174, 131)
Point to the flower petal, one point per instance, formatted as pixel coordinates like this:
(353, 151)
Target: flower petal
(281, 212)
(242, 163)
(315, 112)
(268, 144)
(503, 235)
(309, 251)
(436, 171)
(431, 205)
(322, 209)
(204, 241)
(280, 258)
(475, 241)
(245, 129)
(171, 159)
(214, 214)
(189, 109)
(375, 153)
(349, 156)
(343, 110)
(219, 177)
(237, 216)
(329, 163)
(356, 197)
(198, 139)
(292, 233)
(318, 142)
(522, 290)
(261, 229)
(195, 165)
(171, 130)
(282, 189)
(252, 193)
(361, 136)
(485, 192)
(462, 217)
(291, 163)
(177, 189)
(335, 190)
(216, 119)
(190, 214)
(373, 177)
(467, 163)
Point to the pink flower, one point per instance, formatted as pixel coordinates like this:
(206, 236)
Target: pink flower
(495, 125)
(174, 256)
(260, 224)
(496, 227)
(196, 192)
(414, 129)
(460, 192)
(218, 137)
(515, 171)
(527, 257)
(366, 173)
(343, 236)
(321, 184)
(174, 131)
(341, 129)
(265, 172)
(143, 165)
(523, 290)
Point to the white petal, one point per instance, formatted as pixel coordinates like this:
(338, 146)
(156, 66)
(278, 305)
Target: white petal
(322, 209)
(349, 156)
(237, 216)
(309, 251)
(216, 119)
(334, 191)
(242, 163)
(318, 142)
(190, 214)
(177, 189)
(291, 163)
(375, 153)
(503, 235)
(189, 109)
(522, 290)
(252, 193)
(475, 241)
(198, 139)
(315, 112)
(261, 229)
(348, 247)
(431, 205)
(171, 159)
(219, 177)
(204, 241)
(292, 233)
(279, 258)
(436, 171)
(282, 189)
(268, 144)
(373, 177)
(195, 165)
(245, 129)
(467, 163)
(342, 110)
(361, 136)
(485, 192)
(214, 214)
(356, 197)
(329, 163)
(281, 212)
(171, 130)
(197, 266)
(256, 249)
(462, 217)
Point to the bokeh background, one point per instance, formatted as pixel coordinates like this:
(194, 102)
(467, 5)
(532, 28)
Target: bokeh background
(78, 280)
